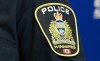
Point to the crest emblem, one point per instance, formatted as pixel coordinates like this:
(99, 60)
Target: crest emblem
(61, 31)
(59, 26)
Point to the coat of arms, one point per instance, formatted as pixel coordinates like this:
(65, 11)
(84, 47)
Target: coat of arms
(60, 30)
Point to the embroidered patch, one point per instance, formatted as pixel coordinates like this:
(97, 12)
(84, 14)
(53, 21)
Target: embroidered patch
(59, 26)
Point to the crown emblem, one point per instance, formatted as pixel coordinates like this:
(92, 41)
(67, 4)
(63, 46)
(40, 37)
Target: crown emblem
(58, 15)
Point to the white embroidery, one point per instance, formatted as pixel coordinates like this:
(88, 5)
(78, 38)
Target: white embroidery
(97, 9)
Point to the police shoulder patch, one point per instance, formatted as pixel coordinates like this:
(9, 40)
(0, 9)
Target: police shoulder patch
(59, 26)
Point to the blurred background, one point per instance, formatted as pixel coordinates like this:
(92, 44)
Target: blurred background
(88, 18)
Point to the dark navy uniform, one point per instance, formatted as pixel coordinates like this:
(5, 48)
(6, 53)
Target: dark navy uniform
(21, 38)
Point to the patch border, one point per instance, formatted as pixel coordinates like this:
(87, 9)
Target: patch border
(43, 5)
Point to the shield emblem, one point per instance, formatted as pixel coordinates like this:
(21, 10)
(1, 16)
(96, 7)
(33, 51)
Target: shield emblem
(59, 26)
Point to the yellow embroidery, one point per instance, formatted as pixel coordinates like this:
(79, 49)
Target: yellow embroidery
(61, 31)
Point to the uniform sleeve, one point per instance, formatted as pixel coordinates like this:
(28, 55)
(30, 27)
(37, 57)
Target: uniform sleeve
(8, 36)
(41, 50)
(24, 28)
(80, 56)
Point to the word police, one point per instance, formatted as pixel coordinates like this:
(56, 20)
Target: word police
(54, 8)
